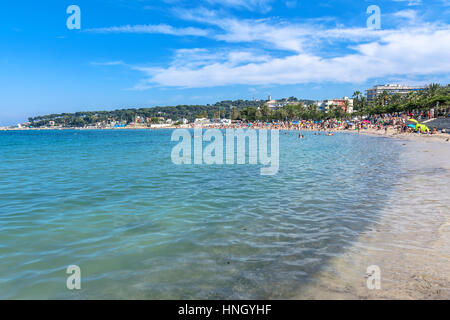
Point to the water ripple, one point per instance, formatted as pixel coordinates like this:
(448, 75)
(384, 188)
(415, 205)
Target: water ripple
(141, 227)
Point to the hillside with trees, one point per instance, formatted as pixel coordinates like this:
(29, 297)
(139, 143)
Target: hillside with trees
(223, 109)
(433, 96)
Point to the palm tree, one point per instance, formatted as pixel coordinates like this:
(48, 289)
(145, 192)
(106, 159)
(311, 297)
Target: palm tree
(429, 94)
(357, 99)
(432, 90)
(312, 108)
(412, 101)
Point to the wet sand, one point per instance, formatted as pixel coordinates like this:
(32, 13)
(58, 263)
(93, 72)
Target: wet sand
(411, 240)
(392, 133)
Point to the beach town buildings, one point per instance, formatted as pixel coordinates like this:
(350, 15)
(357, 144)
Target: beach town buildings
(276, 104)
(202, 121)
(271, 104)
(374, 92)
(221, 121)
(346, 104)
(138, 120)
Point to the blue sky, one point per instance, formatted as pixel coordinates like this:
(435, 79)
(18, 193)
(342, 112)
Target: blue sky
(140, 53)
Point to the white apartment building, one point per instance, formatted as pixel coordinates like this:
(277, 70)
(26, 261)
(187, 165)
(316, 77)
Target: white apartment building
(374, 92)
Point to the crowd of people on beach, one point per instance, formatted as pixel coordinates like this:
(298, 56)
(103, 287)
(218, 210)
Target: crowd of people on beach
(406, 123)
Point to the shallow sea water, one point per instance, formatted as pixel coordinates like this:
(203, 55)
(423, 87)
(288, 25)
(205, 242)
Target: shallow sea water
(141, 227)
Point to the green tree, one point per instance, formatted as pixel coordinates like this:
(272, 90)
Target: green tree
(203, 114)
(235, 114)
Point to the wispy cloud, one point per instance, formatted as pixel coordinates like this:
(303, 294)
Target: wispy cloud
(263, 6)
(411, 2)
(151, 29)
(109, 63)
(406, 14)
(279, 52)
(281, 34)
(291, 4)
(260, 5)
(417, 52)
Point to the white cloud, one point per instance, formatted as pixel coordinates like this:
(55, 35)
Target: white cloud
(252, 5)
(411, 2)
(406, 14)
(109, 63)
(417, 52)
(279, 52)
(272, 33)
(263, 6)
(275, 33)
(152, 29)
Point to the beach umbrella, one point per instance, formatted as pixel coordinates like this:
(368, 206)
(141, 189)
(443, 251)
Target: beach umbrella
(423, 127)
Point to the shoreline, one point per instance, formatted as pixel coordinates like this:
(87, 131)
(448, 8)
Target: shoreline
(439, 137)
(410, 242)
(391, 133)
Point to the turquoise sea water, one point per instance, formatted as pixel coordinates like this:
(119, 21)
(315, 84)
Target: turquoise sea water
(141, 227)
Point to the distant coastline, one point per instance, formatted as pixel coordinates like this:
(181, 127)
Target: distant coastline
(390, 133)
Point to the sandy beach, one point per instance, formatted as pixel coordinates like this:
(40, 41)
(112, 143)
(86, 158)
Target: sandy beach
(392, 133)
(411, 241)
